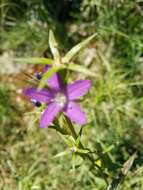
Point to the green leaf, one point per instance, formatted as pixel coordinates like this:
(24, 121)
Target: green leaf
(82, 151)
(35, 60)
(108, 149)
(47, 75)
(54, 47)
(66, 139)
(81, 69)
(77, 48)
(69, 140)
(73, 163)
(66, 152)
(78, 141)
(128, 164)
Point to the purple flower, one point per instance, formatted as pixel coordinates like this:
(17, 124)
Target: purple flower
(60, 98)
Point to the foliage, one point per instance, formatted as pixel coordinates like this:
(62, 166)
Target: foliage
(114, 105)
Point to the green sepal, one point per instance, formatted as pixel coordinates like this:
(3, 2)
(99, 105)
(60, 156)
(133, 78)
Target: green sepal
(67, 58)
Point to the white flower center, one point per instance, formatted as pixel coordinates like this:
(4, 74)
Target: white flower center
(60, 99)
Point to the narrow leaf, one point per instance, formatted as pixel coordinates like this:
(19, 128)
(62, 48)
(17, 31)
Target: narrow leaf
(34, 60)
(78, 141)
(54, 47)
(81, 69)
(128, 164)
(47, 75)
(73, 163)
(77, 48)
(66, 152)
(66, 139)
(82, 151)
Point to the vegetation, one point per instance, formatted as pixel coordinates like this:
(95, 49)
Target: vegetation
(114, 105)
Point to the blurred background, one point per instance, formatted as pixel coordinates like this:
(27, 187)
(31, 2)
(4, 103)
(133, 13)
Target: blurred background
(114, 104)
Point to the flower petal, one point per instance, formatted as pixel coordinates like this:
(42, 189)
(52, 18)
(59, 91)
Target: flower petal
(78, 89)
(55, 82)
(43, 95)
(75, 113)
(49, 114)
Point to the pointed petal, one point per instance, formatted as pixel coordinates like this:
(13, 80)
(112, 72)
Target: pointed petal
(78, 89)
(75, 113)
(49, 114)
(55, 82)
(41, 96)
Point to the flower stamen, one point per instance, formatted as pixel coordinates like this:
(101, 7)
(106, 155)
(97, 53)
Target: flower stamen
(60, 99)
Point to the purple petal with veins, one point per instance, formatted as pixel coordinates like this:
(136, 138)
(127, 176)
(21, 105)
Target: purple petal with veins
(55, 82)
(78, 89)
(49, 114)
(75, 113)
(40, 95)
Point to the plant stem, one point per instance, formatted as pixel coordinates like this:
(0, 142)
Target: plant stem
(90, 158)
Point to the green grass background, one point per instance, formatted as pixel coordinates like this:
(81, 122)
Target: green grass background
(114, 104)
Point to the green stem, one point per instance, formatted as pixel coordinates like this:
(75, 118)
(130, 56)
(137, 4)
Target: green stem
(90, 158)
